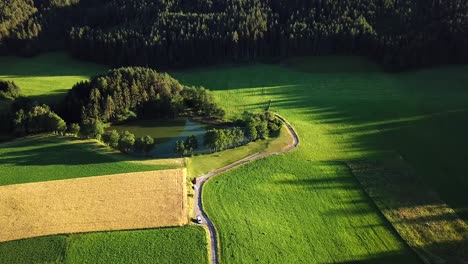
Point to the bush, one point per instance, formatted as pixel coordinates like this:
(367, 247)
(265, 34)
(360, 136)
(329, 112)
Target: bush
(39, 119)
(9, 90)
(191, 142)
(180, 148)
(74, 129)
(126, 142)
(92, 128)
(111, 138)
(144, 144)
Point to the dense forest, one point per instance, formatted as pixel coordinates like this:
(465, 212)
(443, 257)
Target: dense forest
(136, 92)
(400, 34)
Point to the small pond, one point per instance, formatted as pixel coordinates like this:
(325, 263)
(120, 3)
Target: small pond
(165, 132)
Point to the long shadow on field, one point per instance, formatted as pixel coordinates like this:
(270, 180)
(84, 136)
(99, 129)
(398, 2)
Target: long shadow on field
(382, 258)
(62, 154)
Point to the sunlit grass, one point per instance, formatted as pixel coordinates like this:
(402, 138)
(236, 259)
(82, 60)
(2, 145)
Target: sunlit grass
(348, 112)
(48, 76)
(166, 245)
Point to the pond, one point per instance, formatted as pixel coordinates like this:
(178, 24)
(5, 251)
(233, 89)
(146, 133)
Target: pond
(165, 132)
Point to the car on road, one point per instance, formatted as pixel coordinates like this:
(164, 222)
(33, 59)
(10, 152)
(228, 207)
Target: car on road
(199, 220)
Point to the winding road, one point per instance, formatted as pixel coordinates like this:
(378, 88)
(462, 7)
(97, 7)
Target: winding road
(200, 181)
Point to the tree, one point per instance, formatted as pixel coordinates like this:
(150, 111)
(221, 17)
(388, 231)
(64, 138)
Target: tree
(179, 148)
(126, 142)
(74, 129)
(112, 138)
(191, 142)
(92, 128)
(144, 144)
(38, 119)
(9, 90)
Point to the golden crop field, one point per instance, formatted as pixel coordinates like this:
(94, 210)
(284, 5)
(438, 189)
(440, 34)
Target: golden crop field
(114, 202)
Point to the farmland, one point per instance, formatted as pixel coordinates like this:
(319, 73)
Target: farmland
(302, 206)
(114, 202)
(162, 245)
(46, 158)
(341, 111)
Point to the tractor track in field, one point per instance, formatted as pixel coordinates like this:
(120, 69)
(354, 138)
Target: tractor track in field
(200, 181)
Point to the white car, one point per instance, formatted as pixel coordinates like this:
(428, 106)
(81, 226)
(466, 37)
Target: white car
(199, 220)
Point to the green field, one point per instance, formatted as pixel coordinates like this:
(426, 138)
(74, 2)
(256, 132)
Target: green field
(46, 158)
(341, 111)
(47, 77)
(165, 245)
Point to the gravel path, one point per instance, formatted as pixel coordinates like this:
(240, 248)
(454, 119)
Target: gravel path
(202, 179)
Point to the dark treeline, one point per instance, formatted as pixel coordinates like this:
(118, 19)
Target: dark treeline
(398, 33)
(136, 92)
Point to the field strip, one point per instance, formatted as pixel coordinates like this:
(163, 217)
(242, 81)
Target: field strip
(429, 226)
(113, 202)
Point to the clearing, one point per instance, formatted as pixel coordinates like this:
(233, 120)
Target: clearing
(115, 202)
(47, 77)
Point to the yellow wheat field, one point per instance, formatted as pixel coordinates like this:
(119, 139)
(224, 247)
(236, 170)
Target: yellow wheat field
(114, 202)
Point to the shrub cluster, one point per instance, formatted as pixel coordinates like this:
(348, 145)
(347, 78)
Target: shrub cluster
(126, 142)
(187, 147)
(9, 90)
(38, 119)
(221, 139)
(262, 125)
(255, 127)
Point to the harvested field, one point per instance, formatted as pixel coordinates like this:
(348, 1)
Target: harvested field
(115, 202)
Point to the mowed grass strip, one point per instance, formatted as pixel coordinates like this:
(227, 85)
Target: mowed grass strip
(186, 244)
(116, 202)
(47, 76)
(47, 158)
(426, 222)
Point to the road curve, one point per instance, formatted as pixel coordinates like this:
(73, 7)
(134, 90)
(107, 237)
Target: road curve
(200, 181)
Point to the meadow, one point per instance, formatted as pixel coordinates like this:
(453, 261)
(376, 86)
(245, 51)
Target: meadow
(185, 244)
(343, 108)
(47, 158)
(47, 77)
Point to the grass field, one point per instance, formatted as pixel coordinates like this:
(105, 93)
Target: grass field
(125, 201)
(46, 158)
(185, 244)
(341, 111)
(428, 224)
(47, 77)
